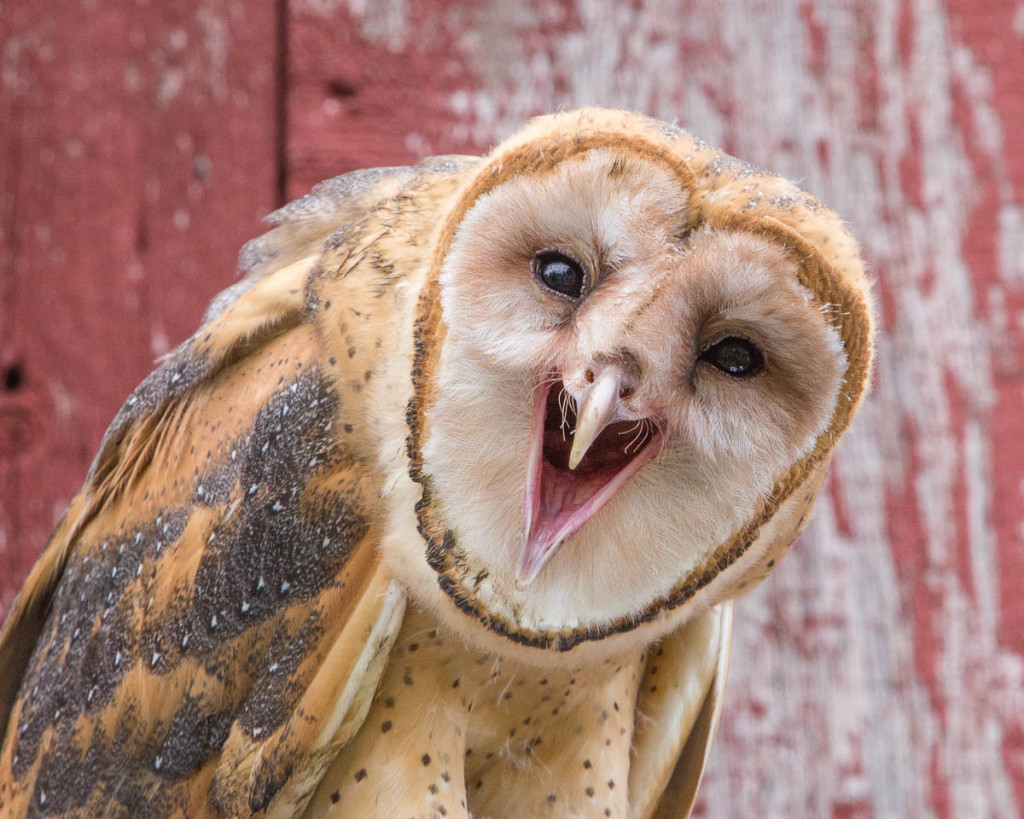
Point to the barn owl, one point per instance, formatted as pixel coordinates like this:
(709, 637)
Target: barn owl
(441, 510)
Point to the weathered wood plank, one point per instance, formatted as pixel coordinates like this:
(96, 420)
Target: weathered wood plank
(370, 85)
(137, 154)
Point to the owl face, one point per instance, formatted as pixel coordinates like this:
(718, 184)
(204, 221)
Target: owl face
(617, 389)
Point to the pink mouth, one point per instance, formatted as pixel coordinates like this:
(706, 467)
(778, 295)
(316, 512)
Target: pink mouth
(559, 501)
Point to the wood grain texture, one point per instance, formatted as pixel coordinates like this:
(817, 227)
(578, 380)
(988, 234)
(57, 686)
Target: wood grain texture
(880, 671)
(137, 154)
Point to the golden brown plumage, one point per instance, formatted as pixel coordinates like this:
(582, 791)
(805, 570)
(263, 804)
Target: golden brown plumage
(297, 577)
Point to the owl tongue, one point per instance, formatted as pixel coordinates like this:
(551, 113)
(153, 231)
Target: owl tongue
(559, 500)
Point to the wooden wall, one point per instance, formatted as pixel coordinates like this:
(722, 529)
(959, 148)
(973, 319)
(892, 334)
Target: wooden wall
(879, 672)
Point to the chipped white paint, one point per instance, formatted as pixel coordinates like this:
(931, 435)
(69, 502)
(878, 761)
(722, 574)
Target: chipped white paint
(159, 344)
(829, 704)
(216, 43)
(381, 21)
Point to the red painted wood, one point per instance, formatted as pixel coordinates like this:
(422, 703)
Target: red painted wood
(138, 153)
(369, 91)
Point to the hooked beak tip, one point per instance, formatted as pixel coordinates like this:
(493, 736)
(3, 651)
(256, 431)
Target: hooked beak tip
(596, 410)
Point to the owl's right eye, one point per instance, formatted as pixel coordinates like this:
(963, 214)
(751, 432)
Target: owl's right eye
(560, 273)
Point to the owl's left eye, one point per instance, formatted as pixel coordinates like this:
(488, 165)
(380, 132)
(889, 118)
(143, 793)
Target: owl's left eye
(560, 273)
(735, 356)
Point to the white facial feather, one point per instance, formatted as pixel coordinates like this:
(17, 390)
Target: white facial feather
(658, 295)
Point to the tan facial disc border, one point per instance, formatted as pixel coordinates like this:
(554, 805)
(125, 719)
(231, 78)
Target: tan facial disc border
(851, 319)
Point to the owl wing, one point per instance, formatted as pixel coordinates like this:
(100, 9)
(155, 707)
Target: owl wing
(210, 620)
(678, 707)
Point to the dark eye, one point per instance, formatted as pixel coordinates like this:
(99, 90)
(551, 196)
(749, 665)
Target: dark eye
(734, 356)
(558, 272)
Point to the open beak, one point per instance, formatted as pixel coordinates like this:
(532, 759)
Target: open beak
(600, 401)
(567, 484)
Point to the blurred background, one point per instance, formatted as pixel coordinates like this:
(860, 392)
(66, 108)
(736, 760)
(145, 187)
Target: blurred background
(879, 671)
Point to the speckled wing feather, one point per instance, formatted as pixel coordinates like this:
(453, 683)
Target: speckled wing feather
(211, 617)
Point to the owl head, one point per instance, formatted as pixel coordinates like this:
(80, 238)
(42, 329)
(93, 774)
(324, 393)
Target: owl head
(634, 356)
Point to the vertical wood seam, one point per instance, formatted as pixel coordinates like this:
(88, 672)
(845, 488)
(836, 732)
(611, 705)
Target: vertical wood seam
(281, 103)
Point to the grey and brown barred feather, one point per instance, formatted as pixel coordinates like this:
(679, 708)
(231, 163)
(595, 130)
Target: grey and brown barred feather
(217, 574)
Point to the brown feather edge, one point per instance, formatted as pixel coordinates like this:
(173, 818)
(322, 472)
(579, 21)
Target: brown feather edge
(814, 272)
